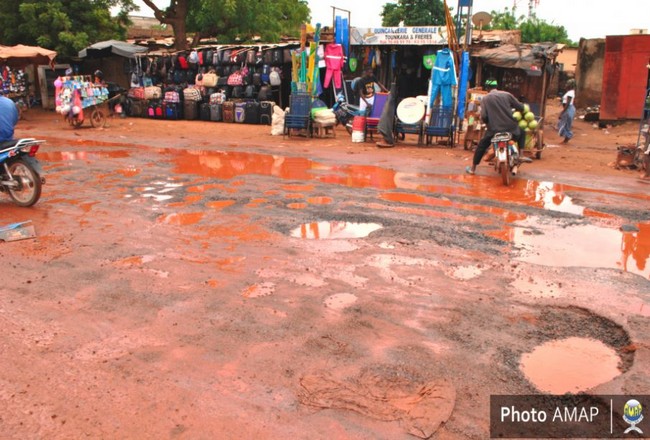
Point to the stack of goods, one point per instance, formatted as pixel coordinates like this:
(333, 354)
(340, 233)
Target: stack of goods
(529, 124)
(13, 82)
(251, 75)
(324, 116)
(74, 93)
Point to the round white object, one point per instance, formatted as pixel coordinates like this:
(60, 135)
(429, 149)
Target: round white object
(410, 110)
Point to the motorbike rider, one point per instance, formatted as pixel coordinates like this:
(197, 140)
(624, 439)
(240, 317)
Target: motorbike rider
(8, 118)
(496, 112)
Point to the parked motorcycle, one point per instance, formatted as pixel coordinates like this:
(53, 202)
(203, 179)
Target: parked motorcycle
(20, 172)
(506, 156)
(345, 112)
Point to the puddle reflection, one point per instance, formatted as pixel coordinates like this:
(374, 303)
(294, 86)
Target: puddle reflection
(58, 156)
(583, 246)
(334, 230)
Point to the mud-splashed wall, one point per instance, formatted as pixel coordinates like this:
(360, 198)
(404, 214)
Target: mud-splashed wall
(589, 72)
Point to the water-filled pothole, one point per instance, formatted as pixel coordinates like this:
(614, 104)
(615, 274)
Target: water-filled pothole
(570, 365)
(334, 230)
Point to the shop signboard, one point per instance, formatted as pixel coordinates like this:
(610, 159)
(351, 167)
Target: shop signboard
(412, 35)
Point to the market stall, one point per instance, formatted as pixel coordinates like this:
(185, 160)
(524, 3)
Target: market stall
(18, 73)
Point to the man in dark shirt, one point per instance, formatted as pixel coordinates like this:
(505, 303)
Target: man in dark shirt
(8, 118)
(365, 88)
(496, 112)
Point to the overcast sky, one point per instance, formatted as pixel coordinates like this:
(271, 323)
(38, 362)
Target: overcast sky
(581, 18)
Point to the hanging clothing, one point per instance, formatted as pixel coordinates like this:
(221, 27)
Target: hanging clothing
(334, 60)
(443, 76)
(462, 87)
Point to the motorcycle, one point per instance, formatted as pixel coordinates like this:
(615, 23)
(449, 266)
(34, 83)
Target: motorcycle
(345, 112)
(506, 156)
(20, 172)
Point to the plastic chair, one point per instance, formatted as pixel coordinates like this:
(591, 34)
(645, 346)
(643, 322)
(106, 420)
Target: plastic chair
(299, 115)
(372, 120)
(441, 124)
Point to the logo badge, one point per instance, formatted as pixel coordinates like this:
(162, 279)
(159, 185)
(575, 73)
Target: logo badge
(632, 414)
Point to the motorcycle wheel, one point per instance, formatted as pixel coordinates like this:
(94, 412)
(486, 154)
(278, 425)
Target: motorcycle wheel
(29, 189)
(505, 173)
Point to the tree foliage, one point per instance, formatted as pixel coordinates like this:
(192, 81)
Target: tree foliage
(504, 20)
(233, 20)
(66, 26)
(533, 29)
(414, 13)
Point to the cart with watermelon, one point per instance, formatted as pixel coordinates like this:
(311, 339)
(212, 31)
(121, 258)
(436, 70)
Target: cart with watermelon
(533, 127)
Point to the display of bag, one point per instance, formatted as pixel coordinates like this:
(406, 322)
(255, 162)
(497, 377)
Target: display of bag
(266, 112)
(217, 98)
(251, 112)
(171, 110)
(225, 56)
(216, 112)
(136, 93)
(157, 109)
(236, 78)
(257, 79)
(172, 96)
(265, 93)
(250, 56)
(238, 92)
(190, 110)
(152, 92)
(240, 112)
(216, 58)
(268, 56)
(228, 111)
(192, 94)
(249, 92)
(204, 111)
(208, 57)
(182, 61)
(198, 80)
(277, 57)
(274, 77)
(210, 79)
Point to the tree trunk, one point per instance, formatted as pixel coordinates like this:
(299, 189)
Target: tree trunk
(174, 16)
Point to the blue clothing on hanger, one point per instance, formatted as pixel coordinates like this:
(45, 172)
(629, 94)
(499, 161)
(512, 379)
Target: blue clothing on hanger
(443, 76)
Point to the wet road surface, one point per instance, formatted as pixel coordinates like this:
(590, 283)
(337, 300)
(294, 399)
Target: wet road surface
(201, 292)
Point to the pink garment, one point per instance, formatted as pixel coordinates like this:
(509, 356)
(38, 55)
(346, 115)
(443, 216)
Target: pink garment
(334, 61)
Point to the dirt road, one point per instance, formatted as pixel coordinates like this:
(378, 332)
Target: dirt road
(207, 280)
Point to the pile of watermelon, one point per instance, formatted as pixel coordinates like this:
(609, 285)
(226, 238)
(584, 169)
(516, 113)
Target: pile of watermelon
(527, 122)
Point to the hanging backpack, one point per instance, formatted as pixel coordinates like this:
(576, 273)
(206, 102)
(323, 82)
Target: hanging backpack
(274, 77)
(250, 56)
(249, 92)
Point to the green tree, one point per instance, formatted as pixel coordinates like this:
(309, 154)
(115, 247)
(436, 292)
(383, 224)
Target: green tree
(505, 20)
(533, 29)
(414, 13)
(536, 30)
(65, 26)
(232, 20)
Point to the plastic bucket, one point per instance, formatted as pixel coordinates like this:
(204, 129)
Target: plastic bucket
(359, 129)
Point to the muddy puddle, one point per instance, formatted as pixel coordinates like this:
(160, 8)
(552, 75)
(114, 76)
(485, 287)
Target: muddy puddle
(334, 230)
(583, 246)
(445, 196)
(570, 365)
